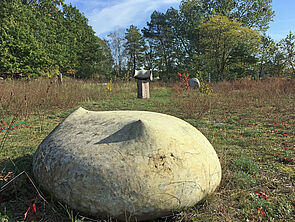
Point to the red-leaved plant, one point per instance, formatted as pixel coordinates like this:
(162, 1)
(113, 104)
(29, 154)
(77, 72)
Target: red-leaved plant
(185, 80)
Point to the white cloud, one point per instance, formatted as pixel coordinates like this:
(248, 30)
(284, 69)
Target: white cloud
(112, 15)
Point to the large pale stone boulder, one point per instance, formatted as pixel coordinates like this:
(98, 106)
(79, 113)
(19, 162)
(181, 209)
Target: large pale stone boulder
(126, 164)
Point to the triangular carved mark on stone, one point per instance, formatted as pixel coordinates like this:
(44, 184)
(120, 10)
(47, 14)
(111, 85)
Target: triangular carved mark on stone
(131, 131)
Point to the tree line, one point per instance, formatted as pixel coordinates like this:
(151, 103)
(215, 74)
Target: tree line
(210, 39)
(47, 37)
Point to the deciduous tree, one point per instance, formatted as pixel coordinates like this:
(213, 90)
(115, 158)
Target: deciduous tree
(288, 47)
(252, 13)
(228, 45)
(45, 37)
(116, 41)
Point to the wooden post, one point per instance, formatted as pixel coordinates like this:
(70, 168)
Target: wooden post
(143, 91)
(59, 79)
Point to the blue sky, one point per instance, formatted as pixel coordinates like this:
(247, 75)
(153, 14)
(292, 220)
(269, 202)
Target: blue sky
(110, 15)
(284, 20)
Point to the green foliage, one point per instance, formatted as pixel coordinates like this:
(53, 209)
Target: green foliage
(178, 42)
(229, 47)
(271, 58)
(169, 48)
(3, 216)
(245, 165)
(206, 89)
(43, 38)
(251, 13)
(288, 47)
(220, 39)
(20, 50)
(134, 48)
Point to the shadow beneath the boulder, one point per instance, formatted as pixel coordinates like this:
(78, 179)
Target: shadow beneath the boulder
(17, 165)
(16, 190)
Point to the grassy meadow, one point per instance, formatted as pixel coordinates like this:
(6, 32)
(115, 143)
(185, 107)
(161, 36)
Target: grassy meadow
(250, 123)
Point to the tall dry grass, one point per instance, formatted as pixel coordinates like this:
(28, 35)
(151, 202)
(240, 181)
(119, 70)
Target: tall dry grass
(273, 94)
(22, 98)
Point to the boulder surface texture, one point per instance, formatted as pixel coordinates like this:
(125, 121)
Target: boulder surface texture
(130, 165)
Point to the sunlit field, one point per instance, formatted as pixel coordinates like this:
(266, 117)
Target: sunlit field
(250, 123)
